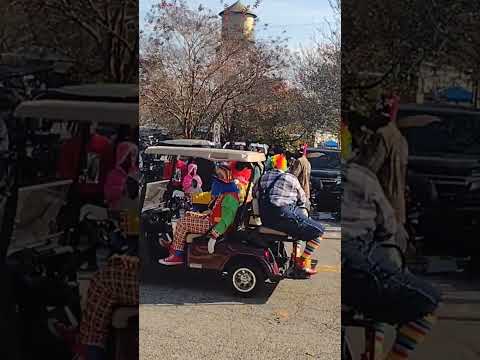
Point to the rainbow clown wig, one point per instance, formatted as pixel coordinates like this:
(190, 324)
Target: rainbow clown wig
(279, 162)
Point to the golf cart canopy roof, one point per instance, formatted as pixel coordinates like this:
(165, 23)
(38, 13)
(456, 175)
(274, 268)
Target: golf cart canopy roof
(101, 90)
(88, 111)
(209, 154)
(188, 142)
(94, 92)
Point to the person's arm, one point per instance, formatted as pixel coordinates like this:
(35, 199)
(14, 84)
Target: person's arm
(385, 220)
(377, 153)
(229, 210)
(301, 196)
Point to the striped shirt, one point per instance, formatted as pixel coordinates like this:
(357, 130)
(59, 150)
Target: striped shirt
(286, 191)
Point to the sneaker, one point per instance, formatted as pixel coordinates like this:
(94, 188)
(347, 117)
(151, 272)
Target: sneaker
(173, 259)
(64, 332)
(302, 265)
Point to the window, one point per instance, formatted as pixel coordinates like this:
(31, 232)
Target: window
(457, 133)
(324, 160)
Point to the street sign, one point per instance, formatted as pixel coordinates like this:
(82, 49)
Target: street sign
(216, 133)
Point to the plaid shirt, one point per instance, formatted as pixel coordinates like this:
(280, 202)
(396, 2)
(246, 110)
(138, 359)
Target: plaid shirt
(366, 212)
(286, 191)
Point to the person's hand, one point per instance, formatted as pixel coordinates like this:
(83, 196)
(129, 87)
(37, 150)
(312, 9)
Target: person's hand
(211, 245)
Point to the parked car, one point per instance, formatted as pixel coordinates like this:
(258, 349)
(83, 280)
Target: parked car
(444, 175)
(326, 187)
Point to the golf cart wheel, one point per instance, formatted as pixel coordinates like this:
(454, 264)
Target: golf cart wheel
(152, 250)
(246, 279)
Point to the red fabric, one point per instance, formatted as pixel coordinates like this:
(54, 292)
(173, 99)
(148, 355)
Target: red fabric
(115, 183)
(190, 223)
(167, 171)
(115, 187)
(116, 284)
(394, 107)
(216, 213)
(69, 166)
(243, 176)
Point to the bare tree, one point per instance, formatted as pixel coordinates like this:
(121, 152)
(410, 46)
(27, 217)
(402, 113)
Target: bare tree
(189, 76)
(100, 36)
(385, 43)
(317, 74)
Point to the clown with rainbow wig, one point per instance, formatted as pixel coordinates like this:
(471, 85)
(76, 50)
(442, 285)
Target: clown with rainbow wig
(282, 202)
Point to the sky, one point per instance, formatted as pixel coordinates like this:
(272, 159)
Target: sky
(299, 18)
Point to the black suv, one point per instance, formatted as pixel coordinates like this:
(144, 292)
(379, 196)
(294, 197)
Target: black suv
(326, 187)
(444, 175)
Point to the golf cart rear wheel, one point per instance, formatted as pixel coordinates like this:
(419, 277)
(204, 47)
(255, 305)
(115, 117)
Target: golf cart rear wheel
(246, 279)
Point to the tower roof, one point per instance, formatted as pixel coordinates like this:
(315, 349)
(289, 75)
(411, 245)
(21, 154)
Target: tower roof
(238, 8)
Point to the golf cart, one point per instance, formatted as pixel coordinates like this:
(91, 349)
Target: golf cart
(47, 262)
(249, 255)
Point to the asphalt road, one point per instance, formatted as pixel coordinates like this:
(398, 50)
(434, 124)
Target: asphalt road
(456, 334)
(193, 316)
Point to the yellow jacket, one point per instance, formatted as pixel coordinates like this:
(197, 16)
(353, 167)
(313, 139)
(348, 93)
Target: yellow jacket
(202, 198)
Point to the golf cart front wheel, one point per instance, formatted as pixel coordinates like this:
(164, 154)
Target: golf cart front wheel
(246, 279)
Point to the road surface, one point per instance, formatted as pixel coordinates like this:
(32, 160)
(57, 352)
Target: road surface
(456, 334)
(192, 316)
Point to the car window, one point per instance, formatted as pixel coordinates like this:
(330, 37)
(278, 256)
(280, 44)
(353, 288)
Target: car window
(455, 134)
(324, 160)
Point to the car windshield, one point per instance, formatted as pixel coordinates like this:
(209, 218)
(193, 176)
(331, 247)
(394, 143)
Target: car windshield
(455, 134)
(324, 160)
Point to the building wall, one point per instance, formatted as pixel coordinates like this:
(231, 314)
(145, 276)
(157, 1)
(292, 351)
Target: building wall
(238, 26)
(434, 78)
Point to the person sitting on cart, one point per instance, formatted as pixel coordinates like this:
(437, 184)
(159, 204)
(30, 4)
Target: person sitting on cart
(115, 188)
(121, 187)
(116, 284)
(192, 182)
(282, 201)
(242, 176)
(216, 222)
(373, 282)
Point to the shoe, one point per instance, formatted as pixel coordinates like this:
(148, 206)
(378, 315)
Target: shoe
(302, 265)
(70, 335)
(89, 268)
(64, 332)
(165, 243)
(173, 259)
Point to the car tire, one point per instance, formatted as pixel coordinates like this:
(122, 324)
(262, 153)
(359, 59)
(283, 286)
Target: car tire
(246, 279)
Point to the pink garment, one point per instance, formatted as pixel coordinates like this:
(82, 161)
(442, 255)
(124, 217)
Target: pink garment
(191, 175)
(394, 107)
(304, 149)
(123, 150)
(115, 184)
